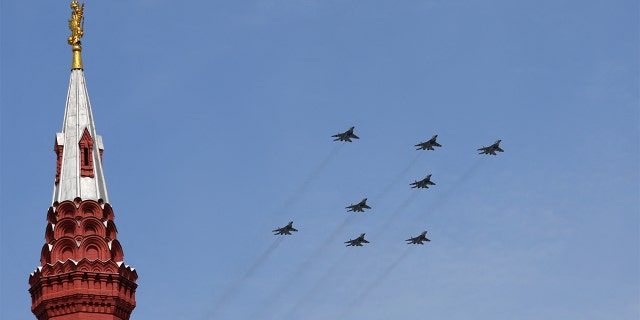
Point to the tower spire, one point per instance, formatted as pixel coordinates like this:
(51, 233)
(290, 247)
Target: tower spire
(76, 25)
(78, 147)
(82, 274)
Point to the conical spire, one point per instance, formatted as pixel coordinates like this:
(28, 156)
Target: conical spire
(79, 148)
(79, 169)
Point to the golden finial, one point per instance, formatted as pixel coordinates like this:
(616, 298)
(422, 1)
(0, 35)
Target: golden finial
(76, 25)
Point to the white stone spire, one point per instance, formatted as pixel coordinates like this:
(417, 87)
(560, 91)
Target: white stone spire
(78, 148)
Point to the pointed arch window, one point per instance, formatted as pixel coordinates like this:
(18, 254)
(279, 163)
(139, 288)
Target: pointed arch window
(86, 158)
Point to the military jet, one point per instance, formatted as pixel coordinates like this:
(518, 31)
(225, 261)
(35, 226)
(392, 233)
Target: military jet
(424, 183)
(345, 136)
(491, 149)
(428, 145)
(357, 242)
(286, 229)
(359, 207)
(419, 239)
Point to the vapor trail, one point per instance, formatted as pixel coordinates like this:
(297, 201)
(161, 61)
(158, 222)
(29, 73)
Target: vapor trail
(397, 211)
(373, 285)
(332, 237)
(233, 290)
(436, 205)
(453, 187)
(316, 171)
(398, 177)
(318, 252)
(313, 289)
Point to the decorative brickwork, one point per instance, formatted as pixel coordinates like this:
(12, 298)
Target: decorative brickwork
(82, 274)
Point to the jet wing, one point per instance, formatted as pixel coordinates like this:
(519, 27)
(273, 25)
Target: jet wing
(281, 232)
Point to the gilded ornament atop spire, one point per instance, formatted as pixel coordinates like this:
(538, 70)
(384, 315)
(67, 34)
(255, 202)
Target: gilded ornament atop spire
(76, 25)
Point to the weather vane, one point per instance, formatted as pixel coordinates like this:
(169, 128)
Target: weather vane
(76, 25)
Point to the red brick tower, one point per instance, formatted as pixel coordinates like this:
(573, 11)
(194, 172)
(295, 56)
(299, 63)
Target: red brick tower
(82, 275)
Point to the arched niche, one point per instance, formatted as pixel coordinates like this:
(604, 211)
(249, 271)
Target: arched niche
(64, 248)
(112, 231)
(93, 226)
(117, 254)
(95, 247)
(66, 209)
(45, 255)
(108, 212)
(65, 227)
(51, 215)
(90, 208)
(48, 234)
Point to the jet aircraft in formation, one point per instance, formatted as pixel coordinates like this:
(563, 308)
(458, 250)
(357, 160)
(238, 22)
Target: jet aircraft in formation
(345, 136)
(286, 229)
(419, 239)
(491, 149)
(359, 207)
(424, 183)
(357, 242)
(428, 145)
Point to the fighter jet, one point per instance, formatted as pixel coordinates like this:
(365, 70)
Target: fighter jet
(491, 149)
(428, 145)
(359, 207)
(345, 136)
(419, 239)
(424, 183)
(357, 242)
(286, 229)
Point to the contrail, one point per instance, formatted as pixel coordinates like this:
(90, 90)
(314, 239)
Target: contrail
(300, 191)
(439, 201)
(312, 176)
(240, 283)
(373, 285)
(385, 191)
(332, 237)
(397, 211)
(453, 187)
(318, 252)
(313, 289)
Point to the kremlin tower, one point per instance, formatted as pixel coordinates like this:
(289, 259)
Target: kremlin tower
(82, 275)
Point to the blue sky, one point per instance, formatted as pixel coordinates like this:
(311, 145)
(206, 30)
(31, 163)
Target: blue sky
(217, 116)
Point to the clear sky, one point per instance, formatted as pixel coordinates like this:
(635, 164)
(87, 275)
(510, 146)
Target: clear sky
(217, 115)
